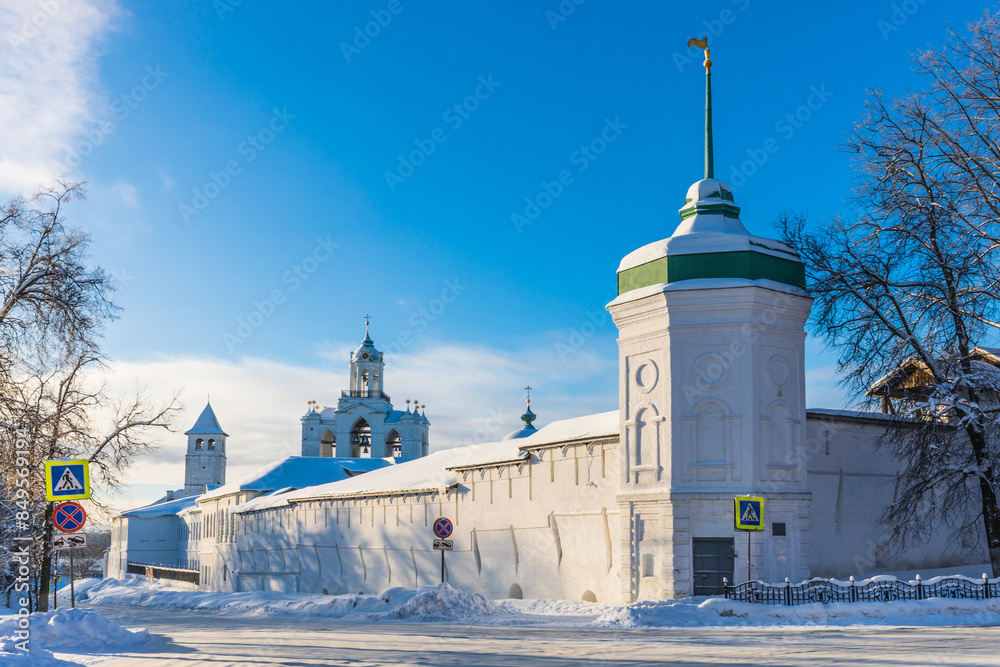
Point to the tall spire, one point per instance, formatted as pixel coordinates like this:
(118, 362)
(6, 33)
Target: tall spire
(709, 147)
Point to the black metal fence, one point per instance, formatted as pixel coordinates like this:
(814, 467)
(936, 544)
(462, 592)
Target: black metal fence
(364, 393)
(164, 572)
(877, 589)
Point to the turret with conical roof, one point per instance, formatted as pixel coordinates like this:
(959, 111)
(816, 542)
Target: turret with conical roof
(205, 463)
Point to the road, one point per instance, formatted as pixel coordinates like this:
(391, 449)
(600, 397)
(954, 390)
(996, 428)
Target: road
(189, 638)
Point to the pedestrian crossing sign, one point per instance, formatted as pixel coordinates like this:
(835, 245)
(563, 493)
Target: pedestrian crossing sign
(67, 480)
(749, 513)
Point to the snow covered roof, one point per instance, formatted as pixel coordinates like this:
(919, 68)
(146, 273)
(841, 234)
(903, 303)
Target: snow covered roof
(823, 413)
(171, 507)
(298, 472)
(207, 424)
(437, 471)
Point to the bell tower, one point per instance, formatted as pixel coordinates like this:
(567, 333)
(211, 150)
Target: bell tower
(711, 394)
(205, 463)
(367, 368)
(364, 423)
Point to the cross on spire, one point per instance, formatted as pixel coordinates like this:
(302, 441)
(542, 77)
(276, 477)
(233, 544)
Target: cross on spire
(528, 389)
(368, 319)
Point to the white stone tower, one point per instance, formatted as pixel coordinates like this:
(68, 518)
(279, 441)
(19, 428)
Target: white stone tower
(712, 401)
(205, 463)
(364, 423)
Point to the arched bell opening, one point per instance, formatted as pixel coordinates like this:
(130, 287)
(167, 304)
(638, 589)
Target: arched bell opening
(393, 444)
(361, 440)
(327, 443)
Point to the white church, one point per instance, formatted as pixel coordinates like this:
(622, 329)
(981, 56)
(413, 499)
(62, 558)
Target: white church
(627, 505)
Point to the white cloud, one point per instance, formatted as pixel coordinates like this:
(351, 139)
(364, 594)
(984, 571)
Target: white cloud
(127, 193)
(48, 84)
(472, 395)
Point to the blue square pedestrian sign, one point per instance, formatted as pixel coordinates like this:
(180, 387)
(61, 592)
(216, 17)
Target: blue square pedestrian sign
(749, 513)
(67, 480)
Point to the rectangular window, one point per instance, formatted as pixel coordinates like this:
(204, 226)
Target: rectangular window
(778, 529)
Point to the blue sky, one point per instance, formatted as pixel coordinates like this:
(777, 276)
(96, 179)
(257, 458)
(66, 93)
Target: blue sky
(238, 157)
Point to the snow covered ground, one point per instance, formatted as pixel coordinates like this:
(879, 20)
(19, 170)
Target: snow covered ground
(82, 636)
(442, 603)
(65, 634)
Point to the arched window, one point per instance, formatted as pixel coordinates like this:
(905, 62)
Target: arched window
(711, 434)
(393, 444)
(198, 444)
(211, 444)
(327, 443)
(361, 439)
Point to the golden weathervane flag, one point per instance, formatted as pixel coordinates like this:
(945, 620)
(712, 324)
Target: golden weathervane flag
(700, 43)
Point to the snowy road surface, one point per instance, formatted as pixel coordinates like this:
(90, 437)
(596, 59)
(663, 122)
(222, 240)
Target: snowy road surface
(192, 638)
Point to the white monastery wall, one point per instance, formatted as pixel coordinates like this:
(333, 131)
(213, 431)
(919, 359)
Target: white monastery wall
(542, 526)
(852, 482)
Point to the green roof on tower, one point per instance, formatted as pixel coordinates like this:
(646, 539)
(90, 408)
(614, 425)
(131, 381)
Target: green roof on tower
(710, 241)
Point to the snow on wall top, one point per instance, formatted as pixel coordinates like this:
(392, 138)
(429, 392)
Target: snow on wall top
(171, 507)
(436, 471)
(299, 472)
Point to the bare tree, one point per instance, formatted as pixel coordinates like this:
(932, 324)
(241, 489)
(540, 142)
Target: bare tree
(53, 308)
(914, 279)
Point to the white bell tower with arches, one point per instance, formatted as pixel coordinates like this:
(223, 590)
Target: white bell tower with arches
(205, 463)
(364, 423)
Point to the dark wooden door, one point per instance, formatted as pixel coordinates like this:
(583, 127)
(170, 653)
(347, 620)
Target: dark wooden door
(713, 560)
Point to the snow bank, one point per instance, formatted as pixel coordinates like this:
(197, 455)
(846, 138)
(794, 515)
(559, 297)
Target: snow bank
(427, 603)
(719, 612)
(443, 603)
(74, 629)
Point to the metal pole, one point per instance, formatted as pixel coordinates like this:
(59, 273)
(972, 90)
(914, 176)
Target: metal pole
(55, 587)
(749, 571)
(442, 566)
(72, 591)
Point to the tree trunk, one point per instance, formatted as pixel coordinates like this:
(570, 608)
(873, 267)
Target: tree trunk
(991, 522)
(991, 510)
(45, 576)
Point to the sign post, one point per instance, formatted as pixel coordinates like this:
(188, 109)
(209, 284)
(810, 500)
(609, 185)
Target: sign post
(72, 588)
(69, 517)
(748, 515)
(442, 529)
